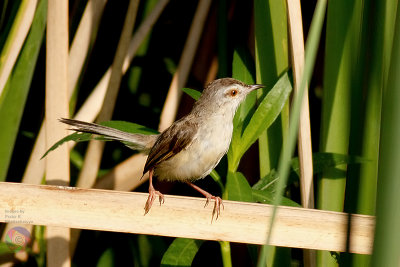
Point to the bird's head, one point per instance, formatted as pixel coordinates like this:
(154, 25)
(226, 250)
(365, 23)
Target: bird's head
(225, 94)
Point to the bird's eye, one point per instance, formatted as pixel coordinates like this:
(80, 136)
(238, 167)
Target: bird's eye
(233, 92)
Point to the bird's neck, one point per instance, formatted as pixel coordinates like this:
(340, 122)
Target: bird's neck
(207, 111)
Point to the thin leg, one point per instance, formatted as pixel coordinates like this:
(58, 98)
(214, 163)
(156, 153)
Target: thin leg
(152, 194)
(217, 204)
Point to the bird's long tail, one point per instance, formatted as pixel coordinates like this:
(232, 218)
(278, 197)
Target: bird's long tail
(140, 142)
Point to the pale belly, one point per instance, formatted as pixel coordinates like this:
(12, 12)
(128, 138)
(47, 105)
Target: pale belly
(200, 157)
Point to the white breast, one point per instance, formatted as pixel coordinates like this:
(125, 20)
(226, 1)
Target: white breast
(204, 153)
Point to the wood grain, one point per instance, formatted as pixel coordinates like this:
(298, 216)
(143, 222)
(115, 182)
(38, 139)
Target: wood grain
(185, 217)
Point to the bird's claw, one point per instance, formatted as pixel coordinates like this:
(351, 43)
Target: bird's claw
(152, 195)
(217, 206)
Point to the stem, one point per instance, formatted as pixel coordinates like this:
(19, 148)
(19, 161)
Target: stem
(226, 253)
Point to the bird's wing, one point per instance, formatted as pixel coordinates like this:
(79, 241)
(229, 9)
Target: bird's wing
(174, 139)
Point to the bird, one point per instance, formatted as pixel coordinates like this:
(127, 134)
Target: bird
(192, 146)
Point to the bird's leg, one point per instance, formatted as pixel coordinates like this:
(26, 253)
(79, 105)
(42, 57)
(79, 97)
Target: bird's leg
(152, 194)
(217, 204)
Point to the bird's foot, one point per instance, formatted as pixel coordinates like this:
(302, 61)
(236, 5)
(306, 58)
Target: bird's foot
(152, 195)
(217, 205)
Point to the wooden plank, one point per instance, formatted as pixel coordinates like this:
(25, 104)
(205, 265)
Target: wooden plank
(185, 217)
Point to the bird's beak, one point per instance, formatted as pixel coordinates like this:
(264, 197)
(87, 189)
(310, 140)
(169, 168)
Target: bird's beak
(256, 86)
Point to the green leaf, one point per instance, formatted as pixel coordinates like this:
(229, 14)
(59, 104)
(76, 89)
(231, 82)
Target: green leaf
(324, 160)
(267, 111)
(267, 197)
(265, 114)
(192, 93)
(15, 23)
(15, 93)
(181, 252)
(271, 40)
(387, 235)
(242, 69)
(119, 125)
(106, 259)
(264, 190)
(237, 188)
(129, 127)
(77, 137)
(268, 182)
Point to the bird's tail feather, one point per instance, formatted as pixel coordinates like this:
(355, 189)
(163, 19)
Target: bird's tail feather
(140, 142)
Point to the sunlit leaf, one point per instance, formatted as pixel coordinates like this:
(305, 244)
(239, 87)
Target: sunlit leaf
(265, 114)
(267, 182)
(237, 187)
(267, 111)
(242, 69)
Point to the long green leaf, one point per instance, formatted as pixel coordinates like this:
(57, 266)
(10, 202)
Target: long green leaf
(267, 111)
(336, 108)
(243, 70)
(265, 114)
(272, 60)
(13, 98)
(181, 252)
(12, 34)
(387, 234)
(76, 137)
